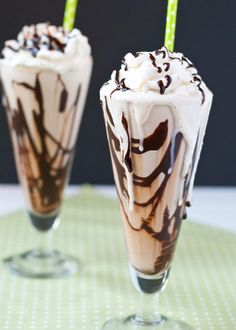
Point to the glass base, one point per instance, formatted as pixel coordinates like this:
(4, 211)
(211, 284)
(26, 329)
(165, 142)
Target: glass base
(132, 323)
(42, 265)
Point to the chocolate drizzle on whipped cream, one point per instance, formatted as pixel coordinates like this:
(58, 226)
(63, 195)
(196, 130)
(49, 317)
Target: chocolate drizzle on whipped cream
(120, 83)
(162, 86)
(41, 36)
(137, 72)
(47, 46)
(153, 59)
(161, 52)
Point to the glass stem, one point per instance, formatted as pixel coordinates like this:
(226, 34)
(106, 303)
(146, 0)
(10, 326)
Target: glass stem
(149, 287)
(44, 244)
(149, 311)
(44, 227)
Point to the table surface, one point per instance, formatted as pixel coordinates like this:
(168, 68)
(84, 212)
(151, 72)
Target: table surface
(214, 206)
(201, 290)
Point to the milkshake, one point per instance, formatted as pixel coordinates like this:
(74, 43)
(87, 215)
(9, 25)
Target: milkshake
(45, 75)
(156, 109)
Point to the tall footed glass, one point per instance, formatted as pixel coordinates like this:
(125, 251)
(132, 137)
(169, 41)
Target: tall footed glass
(155, 140)
(44, 102)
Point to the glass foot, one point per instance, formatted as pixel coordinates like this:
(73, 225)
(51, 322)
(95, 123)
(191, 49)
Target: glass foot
(42, 265)
(132, 323)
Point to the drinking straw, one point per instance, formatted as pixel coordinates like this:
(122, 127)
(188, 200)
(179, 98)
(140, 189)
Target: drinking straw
(171, 24)
(70, 13)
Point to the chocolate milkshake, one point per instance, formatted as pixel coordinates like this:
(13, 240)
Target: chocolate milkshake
(45, 75)
(156, 109)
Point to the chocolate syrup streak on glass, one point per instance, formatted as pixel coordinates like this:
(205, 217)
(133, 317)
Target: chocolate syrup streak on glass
(63, 98)
(152, 142)
(168, 246)
(127, 156)
(117, 77)
(168, 235)
(168, 240)
(46, 188)
(109, 113)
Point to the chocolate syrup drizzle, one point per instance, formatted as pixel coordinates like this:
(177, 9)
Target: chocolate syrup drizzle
(161, 52)
(120, 83)
(36, 41)
(45, 189)
(155, 141)
(152, 142)
(127, 155)
(199, 81)
(162, 86)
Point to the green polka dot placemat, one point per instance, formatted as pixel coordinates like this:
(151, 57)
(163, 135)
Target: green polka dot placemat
(201, 289)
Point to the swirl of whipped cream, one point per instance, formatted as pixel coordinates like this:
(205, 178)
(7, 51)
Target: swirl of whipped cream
(160, 71)
(47, 46)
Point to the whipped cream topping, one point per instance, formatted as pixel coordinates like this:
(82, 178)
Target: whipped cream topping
(159, 71)
(46, 45)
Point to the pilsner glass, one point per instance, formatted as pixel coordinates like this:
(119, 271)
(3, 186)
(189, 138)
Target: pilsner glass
(44, 106)
(154, 169)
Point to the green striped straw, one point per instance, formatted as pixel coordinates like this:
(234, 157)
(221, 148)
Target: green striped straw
(171, 24)
(70, 13)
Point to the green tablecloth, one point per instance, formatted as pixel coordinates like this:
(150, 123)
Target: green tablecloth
(201, 289)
